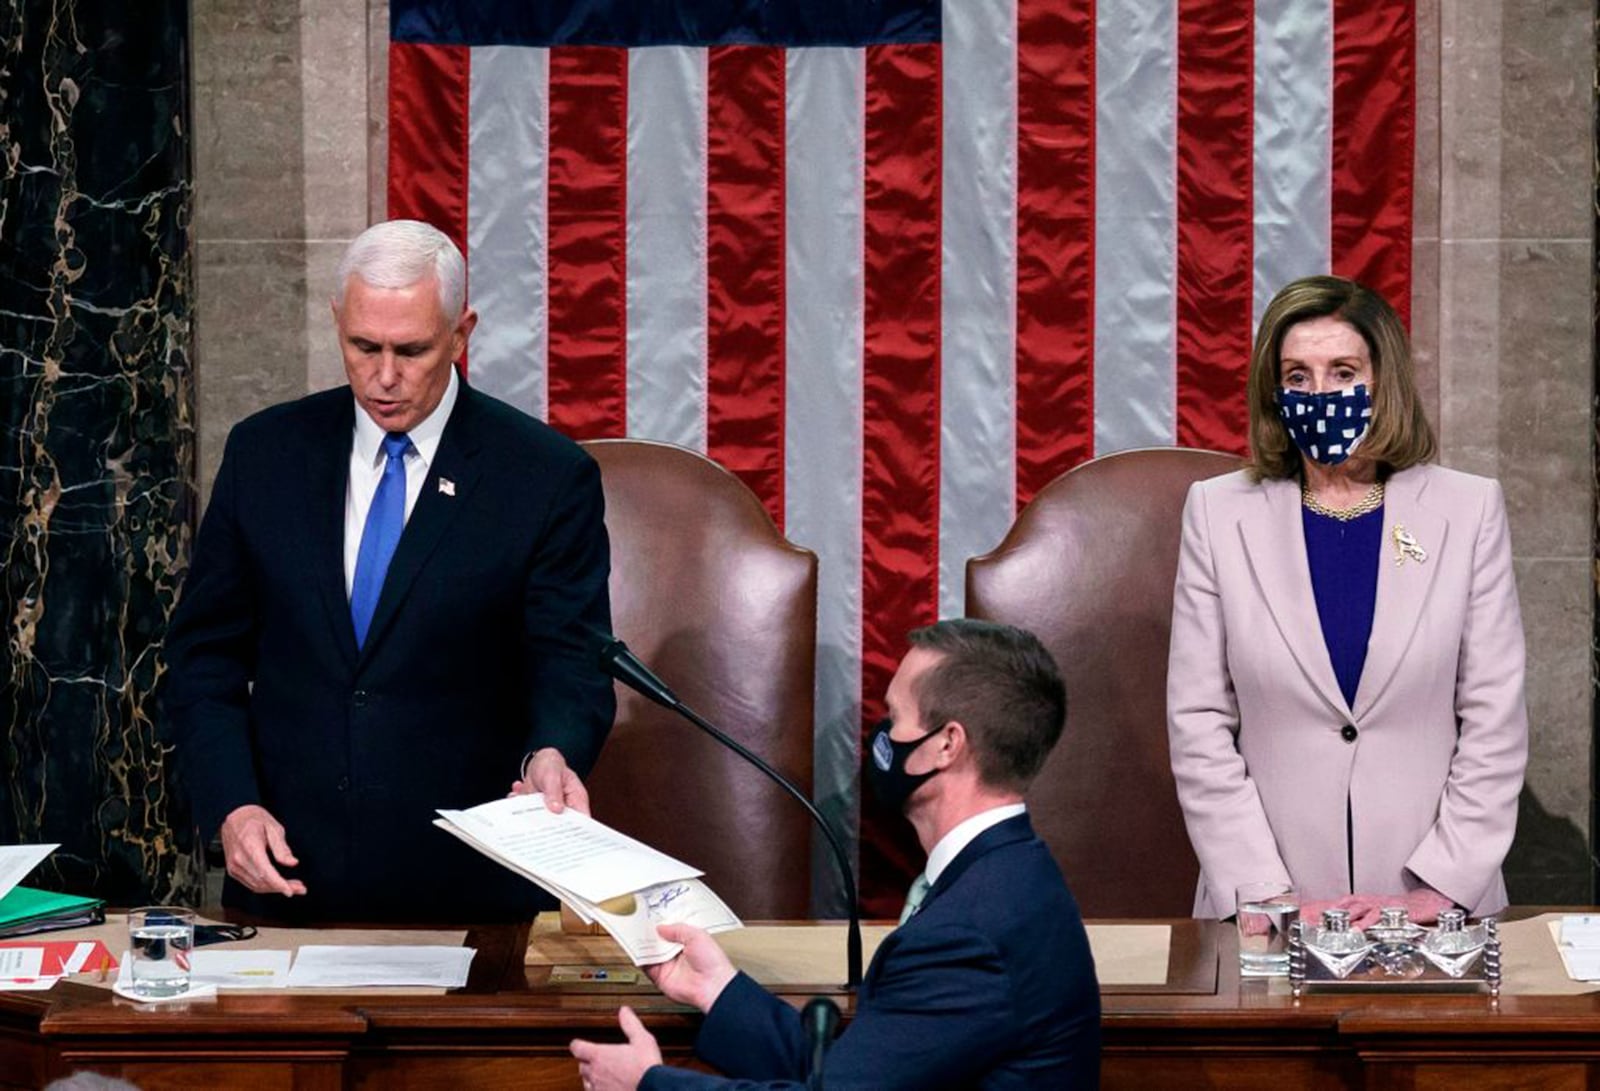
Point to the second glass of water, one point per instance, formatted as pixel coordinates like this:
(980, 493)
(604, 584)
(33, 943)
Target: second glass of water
(160, 939)
(1266, 912)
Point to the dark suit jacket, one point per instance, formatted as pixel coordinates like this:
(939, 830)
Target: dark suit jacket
(472, 660)
(990, 985)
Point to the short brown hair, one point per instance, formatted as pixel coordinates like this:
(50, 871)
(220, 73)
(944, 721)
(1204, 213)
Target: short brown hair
(1000, 684)
(1400, 435)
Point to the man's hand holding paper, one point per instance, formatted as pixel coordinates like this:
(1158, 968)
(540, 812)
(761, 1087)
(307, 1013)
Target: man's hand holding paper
(546, 772)
(698, 973)
(604, 876)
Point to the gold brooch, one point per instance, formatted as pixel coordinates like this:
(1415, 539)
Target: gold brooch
(1406, 546)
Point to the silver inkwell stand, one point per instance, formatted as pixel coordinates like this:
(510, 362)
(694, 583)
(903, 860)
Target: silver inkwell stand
(1395, 954)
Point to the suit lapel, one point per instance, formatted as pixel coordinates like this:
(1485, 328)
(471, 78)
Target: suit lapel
(327, 478)
(436, 510)
(1402, 588)
(1274, 539)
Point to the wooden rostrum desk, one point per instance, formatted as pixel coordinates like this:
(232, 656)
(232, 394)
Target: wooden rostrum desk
(509, 1028)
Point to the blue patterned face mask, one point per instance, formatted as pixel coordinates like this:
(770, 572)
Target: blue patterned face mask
(1326, 427)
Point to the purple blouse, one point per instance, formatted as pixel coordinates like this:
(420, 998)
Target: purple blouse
(1343, 558)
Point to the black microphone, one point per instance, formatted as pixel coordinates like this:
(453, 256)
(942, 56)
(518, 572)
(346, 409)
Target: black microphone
(617, 662)
(820, 1017)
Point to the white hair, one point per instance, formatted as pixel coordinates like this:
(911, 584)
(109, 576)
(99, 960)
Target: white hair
(398, 253)
(90, 1081)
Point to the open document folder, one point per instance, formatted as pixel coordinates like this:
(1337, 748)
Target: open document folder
(24, 910)
(605, 877)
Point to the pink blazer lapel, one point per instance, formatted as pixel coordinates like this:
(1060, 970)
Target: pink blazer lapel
(1275, 541)
(1404, 580)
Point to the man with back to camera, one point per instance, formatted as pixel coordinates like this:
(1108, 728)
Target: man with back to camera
(988, 982)
(384, 616)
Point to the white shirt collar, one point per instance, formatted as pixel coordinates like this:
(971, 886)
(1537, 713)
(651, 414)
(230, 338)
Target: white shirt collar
(963, 834)
(424, 437)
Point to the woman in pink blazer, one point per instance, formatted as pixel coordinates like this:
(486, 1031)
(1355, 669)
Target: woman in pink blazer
(1345, 686)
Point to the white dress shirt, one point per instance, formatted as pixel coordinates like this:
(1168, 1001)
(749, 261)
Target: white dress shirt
(366, 470)
(964, 833)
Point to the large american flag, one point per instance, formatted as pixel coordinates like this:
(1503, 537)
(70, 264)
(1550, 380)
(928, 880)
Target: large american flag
(897, 263)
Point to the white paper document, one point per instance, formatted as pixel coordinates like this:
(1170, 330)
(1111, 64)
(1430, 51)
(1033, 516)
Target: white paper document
(17, 860)
(569, 850)
(25, 962)
(606, 877)
(1577, 939)
(239, 969)
(371, 967)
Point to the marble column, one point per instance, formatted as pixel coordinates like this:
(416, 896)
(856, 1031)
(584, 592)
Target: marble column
(97, 463)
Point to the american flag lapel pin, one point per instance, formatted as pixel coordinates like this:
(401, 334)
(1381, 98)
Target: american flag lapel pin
(447, 486)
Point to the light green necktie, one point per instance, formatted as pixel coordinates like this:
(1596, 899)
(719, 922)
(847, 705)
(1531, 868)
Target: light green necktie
(914, 897)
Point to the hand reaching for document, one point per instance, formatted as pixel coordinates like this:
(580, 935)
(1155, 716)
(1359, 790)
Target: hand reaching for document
(617, 1067)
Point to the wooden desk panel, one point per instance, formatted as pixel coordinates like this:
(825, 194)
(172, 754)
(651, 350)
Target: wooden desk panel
(509, 1029)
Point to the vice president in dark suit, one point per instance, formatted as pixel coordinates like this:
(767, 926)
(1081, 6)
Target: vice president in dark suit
(988, 981)
(383, 617)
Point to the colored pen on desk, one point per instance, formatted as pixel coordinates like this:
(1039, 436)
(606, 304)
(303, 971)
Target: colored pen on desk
(105, 964)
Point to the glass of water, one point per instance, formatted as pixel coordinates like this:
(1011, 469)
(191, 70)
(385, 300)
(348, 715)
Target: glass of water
(159, 941)
(1266, 913)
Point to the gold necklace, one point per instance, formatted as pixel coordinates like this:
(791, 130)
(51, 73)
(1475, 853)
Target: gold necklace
(1370, 502)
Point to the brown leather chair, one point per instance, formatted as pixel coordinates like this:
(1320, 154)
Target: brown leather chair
(1089, 567)
(709, 594)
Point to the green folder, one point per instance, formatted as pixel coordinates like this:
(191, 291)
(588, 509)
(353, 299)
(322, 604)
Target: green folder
(25, 911)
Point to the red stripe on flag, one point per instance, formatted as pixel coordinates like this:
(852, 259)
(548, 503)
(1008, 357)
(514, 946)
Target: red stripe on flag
(900, 471)
(745, 267)
(587, 231)
(1055, 241)
(1216, 81)
(429, 88)
(1374, 133)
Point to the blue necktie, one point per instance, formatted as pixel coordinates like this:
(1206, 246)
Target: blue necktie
(385, 520)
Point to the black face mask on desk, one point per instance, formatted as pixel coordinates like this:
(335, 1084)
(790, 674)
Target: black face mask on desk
(886, 767)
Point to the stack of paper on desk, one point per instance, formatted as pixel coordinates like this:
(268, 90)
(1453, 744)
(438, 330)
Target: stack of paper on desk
(37, 966)
(1578, 940)
(604, 876)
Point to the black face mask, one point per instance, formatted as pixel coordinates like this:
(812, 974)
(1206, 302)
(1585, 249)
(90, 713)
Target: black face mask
(886, 767)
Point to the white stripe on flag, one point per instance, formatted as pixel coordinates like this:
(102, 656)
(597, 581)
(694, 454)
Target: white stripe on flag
(977, 443)
(508, 144)
(1293, 144)
(1135, 329)
(823, 190)
(667, 245)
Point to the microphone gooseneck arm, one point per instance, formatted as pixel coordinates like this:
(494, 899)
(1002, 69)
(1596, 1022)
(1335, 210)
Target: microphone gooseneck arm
(621, 664)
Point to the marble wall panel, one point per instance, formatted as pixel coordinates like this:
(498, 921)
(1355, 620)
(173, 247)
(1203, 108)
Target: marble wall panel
(377, 110)
(1549, 859)
(1470, 119)
(1547, 95)
(333, 49)
(249, 148)
(1544, 393)
(324, 365)
(97, 434)
(251, 345)
(1469, 355)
